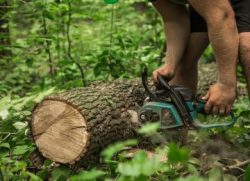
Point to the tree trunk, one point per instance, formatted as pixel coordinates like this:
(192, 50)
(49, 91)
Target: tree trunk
(75, 125)
(4, 30)
(78, 124)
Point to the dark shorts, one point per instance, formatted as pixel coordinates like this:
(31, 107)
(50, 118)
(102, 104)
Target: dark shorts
(242, 15)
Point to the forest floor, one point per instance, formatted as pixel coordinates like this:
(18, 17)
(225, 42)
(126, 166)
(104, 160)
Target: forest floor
(66, 45)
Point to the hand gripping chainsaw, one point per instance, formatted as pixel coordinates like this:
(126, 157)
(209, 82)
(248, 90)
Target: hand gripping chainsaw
(175, 107)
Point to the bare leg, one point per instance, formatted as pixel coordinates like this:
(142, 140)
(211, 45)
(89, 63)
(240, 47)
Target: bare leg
(224, 39)
(187, 72)
(223, 36)
(177, 30)
(245, 57)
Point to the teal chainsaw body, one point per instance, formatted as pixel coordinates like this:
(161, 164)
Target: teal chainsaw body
(175, 107)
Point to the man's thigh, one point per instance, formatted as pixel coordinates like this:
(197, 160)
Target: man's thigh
(242, 15)
(213, 11)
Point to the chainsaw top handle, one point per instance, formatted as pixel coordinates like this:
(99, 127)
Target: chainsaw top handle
(175, 98)
(144, 76)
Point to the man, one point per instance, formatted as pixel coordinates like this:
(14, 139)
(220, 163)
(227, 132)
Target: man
(222, 33)
(199, 30)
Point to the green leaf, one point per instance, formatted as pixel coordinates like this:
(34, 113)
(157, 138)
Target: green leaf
(63, 7)
(151, 166)
(33, 177)
(43, 173)
(20, 125)
(19, 150)
(149, 129)
(227, 177)
(247, 173)
(245, 114)
(129, 169)
(88, 175)
(191, 178)
(43, 94)
(140, 165)
(18, 104)
(5, 103)
(192, 169)
(60, 173)
(215, 174)
(26, 113)
(5, 145)
(19, 165)
(177, 154)
(4, 114)
(109, 152)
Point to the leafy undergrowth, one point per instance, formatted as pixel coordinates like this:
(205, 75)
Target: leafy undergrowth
(44, 58)
(206, 155)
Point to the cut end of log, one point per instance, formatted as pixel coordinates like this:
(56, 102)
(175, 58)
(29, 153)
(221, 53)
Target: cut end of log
(59, 131)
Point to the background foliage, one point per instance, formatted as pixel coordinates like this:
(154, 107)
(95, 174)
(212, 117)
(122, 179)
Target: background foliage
(48, 45)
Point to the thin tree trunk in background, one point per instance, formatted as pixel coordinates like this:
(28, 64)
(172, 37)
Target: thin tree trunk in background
(47, 46)
(5, 52)
(58, 42)
(70, 43)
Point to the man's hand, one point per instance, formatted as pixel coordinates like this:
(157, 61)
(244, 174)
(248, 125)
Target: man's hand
(220, 99)
(167, 71)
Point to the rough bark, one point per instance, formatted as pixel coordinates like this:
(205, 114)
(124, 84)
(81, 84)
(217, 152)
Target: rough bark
(109, 112)
(106, 112)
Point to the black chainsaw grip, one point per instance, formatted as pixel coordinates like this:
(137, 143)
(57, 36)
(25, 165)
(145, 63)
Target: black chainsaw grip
(144, 76)
(163, 83)
(179, 104)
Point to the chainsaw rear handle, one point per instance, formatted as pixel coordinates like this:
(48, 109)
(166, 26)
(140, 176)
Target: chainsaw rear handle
(201, 109)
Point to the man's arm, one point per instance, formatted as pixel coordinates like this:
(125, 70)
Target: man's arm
(177, 29)
(225, 41)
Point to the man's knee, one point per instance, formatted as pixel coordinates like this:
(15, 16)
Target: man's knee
(215, 12)
(218, 16)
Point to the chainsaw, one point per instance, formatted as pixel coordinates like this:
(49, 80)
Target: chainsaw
(175, 107)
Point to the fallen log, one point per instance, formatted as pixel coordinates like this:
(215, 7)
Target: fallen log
(75, 125)
(79, 123)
